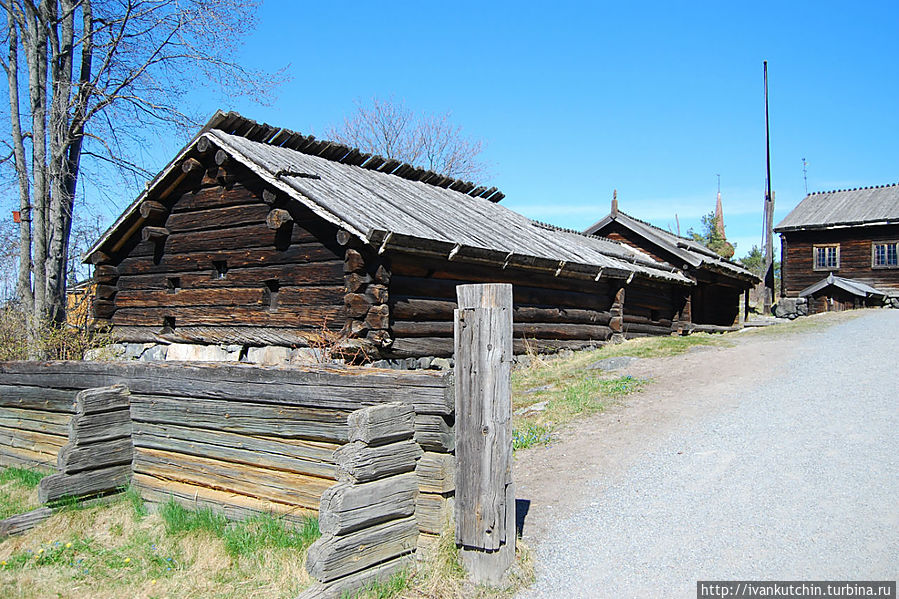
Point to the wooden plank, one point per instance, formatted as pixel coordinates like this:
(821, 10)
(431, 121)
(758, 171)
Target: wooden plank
(483, 343)
(314, 273)
(100, 426)
(20, 523)
(434, 512)
(35, 441)
(253, 481)
(334, 557)
(28, 397)
(53, 423)
(102, 399)
(247, 297)
(211, 218)
(379, 425)
(360, 463)
(564, 331)
(435, 433)
(303, 457)
(307, 316)
(233, 505)
(436, 473)
(246, 418)
(17, 456)
(348, 507)
(323, 387)
(76, 458)
(346, 585)
(91, 482)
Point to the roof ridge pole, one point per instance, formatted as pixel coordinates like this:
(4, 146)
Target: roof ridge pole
(769, 211)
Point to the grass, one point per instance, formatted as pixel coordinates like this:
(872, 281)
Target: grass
(532, 435)
(18, 490)
(117, 549)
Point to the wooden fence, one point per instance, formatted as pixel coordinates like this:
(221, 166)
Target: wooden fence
(240, 439)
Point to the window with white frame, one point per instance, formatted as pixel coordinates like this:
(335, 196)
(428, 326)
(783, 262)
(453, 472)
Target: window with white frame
(827, 257)
(885, 254)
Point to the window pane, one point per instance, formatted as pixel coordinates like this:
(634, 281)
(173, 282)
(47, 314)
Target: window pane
(892, 254)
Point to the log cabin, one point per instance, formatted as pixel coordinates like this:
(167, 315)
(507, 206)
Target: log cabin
(260, 236)
(721, 291)
(839, 248)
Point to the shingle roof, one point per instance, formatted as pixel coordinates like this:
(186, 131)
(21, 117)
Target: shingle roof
(850, 285)
(691, 252)
(844, 207)
(389, 211)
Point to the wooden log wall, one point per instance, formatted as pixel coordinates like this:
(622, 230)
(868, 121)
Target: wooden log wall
(550, 312)
(222, 262)
(238, 438)
(366, 280)
(367, 520)
(649, 309)
(855, 257)
(97, 458)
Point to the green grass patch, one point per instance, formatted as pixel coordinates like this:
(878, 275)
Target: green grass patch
(253, 534)
(387, 589)
(180, 520)
(623, 385)
(532, 435)
(18, 490)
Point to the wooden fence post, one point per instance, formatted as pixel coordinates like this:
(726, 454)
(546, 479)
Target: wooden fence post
(485, 496)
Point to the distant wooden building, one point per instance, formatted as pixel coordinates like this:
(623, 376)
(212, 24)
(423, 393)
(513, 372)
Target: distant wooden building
(721, 286)
(837, 246)
(257, 235)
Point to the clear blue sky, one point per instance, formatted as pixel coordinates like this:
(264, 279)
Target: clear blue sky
(576, 99)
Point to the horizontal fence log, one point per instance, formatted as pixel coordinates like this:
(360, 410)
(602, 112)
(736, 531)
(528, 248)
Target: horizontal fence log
(91, 482)
(215, 335)
(20, 523)
(77, 458)
(32, 440)
(234, 506)
(101, 426)
(360, 463)
(317, 273)
(262, 483)
(293, 422)
(302, 457)
(336, 557)
(310, 317)
(29, 397)
(53, 423)
(318, 387)
(340, 587)
(348, 507)
(102, 399)
(16, 456)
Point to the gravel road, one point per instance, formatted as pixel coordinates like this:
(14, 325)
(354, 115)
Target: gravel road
(796, 477)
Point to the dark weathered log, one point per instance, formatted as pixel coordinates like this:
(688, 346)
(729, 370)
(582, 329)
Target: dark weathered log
(310, 317)
(382, 275)
(91, 482)
(203, 145)
(343, 236)
(269, 196)
(379, 293)
(77, 458)
(221, 157)
(213, 218)
(220, 240)
(314, 458)
(348, 507)
(317, 273)
(106, 272)
(359, 463)
(378, 317)
(155, 234)
(192, 165)
(334, 557)
(353, 261)
(278, 218)
(379, 425)
(247, 418)
(357, 305)
(23, 522)
(99, 257)
(241, 296)
(151, 210)
(105, 291)
(436, 473)
(354, 281)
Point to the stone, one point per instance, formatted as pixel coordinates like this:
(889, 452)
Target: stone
(269, 355)
(188, 352)
(156, 353)
(441, 363)
(540, 406)
(613, 363)
(306, 355)
(424, 363)
(533, 390)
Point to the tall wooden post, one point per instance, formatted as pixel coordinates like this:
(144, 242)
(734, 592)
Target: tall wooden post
(485, 495)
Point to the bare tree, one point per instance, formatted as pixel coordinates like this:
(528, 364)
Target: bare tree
(98, 76)
(432, 141)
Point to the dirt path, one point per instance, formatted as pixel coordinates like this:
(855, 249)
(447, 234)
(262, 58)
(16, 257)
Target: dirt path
(773, 459)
